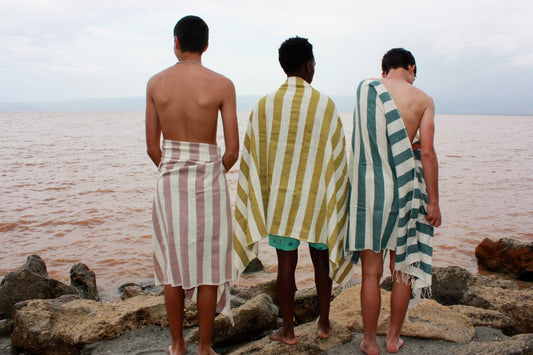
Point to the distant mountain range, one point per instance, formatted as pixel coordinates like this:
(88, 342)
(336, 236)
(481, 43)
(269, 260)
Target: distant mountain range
(247, 102)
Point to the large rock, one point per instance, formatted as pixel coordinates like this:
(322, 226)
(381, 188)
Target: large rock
(31, 282)
(485, 317)
(308, 342)
(516, 304)
(240, 296)
(429, 320)
(84, 280)
(449, 284)
(507, 256)
(516, 345)
(65, 324)
(251, 319)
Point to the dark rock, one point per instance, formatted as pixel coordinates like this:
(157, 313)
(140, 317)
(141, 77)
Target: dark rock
(507, 256)
(84, 281)
(251, 319)
(386, 284)
(240, 296)
(449, 284)
(254, 266)
(306, 305)
(5, 327)
(31, 282)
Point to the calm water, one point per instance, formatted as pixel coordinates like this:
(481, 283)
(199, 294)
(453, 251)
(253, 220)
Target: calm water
(77, 187)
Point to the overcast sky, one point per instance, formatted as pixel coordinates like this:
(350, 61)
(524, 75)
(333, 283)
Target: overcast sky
(468, 52)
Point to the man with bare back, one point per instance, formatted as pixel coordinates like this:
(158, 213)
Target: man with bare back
(394, 202)
(192, 222)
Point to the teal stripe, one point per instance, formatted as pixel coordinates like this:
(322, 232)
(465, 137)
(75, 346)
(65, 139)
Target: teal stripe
(403, 156)
(361, 182)
(377, 166)
(406, 177)
(397, 137)
(426, 268)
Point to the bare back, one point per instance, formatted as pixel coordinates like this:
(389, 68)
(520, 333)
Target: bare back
(412, 103)
(187, 98)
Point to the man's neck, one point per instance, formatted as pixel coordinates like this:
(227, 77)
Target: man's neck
(190, 57)
(400, 74)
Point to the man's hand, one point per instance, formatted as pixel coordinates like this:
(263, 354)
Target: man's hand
(433, 216)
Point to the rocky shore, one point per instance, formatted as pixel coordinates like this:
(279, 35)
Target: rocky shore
(467, 314)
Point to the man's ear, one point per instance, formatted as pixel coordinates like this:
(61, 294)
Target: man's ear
(206, 46)
(383, 75)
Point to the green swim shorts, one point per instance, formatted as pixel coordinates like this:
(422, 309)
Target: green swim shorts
(289, 244)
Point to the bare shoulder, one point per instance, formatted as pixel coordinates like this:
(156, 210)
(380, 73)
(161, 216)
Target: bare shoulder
(156, 78)
(220, 79)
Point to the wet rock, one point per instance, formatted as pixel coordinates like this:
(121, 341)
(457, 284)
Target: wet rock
(507, 256)
(428, 320)
(65, 324)
(30, 282)
(251, 319)
(308, 342)
(130, 290)
(254, 266)
(84, 280)
(449, 284)
(516, 304)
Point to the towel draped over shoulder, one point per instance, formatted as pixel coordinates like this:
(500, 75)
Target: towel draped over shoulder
(293, 175)
(388, 197)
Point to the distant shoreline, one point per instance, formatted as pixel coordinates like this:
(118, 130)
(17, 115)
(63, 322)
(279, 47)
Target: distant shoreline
(246, 103)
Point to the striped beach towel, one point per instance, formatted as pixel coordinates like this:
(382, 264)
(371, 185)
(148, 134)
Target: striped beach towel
(293, 175)
(388, 196)
(192, 222)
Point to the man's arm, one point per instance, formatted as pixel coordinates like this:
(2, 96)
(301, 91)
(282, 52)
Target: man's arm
(228, 109)
(153, 128)
(430, 163)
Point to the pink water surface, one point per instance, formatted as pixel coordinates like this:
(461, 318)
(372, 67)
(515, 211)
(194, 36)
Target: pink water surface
(77, 187)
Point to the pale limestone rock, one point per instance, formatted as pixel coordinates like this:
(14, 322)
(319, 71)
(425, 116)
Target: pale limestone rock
(64, 324)
(429, 320)
(517, 304)
(484, 317)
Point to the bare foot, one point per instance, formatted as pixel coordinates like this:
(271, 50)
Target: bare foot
(394, 345)
(279, 335)
(324, 329)
(176, 350)
(369, 350)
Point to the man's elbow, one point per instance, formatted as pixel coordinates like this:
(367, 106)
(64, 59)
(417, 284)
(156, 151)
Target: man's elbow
(428, 155)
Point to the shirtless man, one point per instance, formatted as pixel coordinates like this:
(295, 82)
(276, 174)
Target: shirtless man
(370, 240)
(182, 103)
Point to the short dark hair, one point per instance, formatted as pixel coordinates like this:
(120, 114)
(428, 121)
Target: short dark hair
(192, 33)
(397, 58)
(293, 53)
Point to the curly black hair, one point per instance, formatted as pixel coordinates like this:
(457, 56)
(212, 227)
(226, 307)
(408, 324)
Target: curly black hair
(293, 53)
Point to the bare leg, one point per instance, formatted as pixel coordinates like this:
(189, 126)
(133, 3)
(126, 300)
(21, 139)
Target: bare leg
(400, 295)
(174, 301)
(372, 269)
(207, 302)
(320, 260)
(287, 261)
